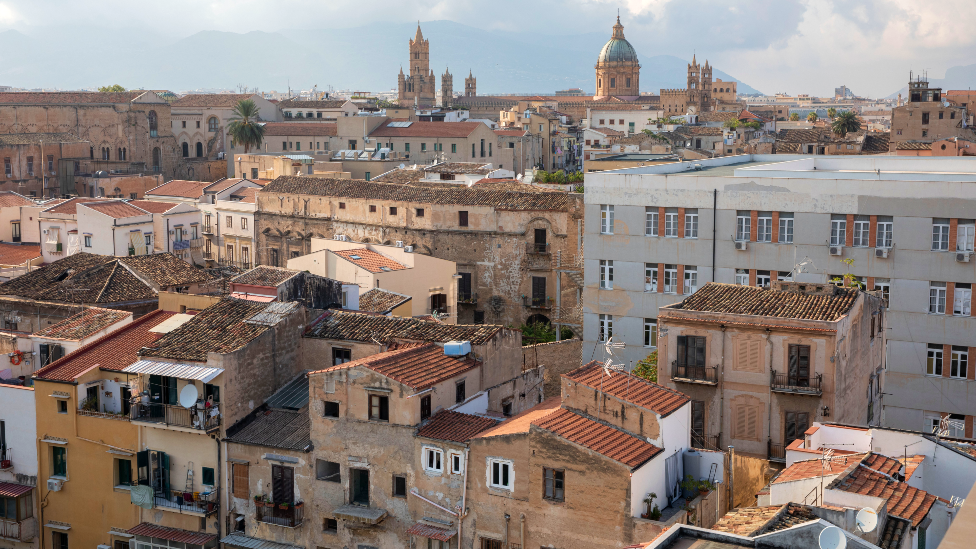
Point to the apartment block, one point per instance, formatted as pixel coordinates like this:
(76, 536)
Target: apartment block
(655, 234)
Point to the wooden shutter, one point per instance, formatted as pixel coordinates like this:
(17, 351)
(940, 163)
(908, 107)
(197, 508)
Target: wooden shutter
(790, 427)
(682, 350)
(241, 481)
(740, 421)
(752, 422)
(538, 290)
(283, 484)
(748, 356)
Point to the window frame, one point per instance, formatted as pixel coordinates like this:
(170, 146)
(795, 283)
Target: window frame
(764, 227)
(743, 227)
(786, 225)
(500, 463)
(671, 273)
(650, 277)
(605, 327)
(691, 224)
(334, 477)
(651, 221)
(862, 233)
(964, 297)
(741, 277)
(838, 232)
(967, 233)
(455, 458)
(327, 406)
(425, 407)
(606, 219)
(650, 333)
(958, 362)
(937, 298)
(380, 409)
(432, 459)
(553, 487)
(606, 274)
(671, 227)
(940, 236)
(690, 280)
(935, 360)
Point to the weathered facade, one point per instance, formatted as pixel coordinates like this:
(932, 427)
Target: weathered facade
(926, 118)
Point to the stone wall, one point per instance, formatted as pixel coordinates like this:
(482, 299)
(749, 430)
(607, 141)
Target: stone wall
(127, 185)
(558, 357)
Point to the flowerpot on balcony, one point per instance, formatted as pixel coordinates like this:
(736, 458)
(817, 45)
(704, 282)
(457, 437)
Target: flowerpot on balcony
(283, 506)
(299, 505)
(210, 506)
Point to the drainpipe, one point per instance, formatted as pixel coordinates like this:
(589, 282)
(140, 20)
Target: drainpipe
(721, 391)
(714, 223)
(166, 236)
(522, 530)
(464, 497)
(507, 518)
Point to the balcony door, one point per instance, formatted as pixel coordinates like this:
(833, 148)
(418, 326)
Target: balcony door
(797, 424)
(464, 287)
(283, 484)
(540, 240)
(359, 487)
(538, 291)
(799, 368)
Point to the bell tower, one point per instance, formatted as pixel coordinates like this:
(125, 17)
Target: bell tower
(447, 88)
(470, 85)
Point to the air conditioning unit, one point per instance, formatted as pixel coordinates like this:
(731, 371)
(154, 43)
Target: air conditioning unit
(741, 245)
(342, 238)
(881, 253)
(836, 250)
(408, 249)
(399, 243)
(54, 484)
(963, 257)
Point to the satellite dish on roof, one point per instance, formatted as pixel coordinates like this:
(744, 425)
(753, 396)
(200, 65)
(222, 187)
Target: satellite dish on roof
(832, 537)
(867, 519)
(188, 396)
(402, 165)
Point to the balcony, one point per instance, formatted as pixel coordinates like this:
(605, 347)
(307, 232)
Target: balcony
(176, 416)
(702, 375)
(467, 298)
(537, 247)
(537, 302)
(786, 383)
(209, 256)
(705, 441)
(208, 229)
(22, 530)
(359, 516)
(775, 452)
(285, 514)
(206, 505)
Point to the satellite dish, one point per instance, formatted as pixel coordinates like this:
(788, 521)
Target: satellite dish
(832, 537)
(188, 396)
(402, 165)
(867, 519)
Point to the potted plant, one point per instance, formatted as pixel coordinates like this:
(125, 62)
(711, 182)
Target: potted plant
(648, 502)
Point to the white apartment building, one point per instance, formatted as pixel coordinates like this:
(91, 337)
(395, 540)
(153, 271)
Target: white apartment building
(655, 234)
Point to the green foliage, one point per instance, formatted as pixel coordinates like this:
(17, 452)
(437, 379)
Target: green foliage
(244, 127)
(647, 368)
(831, 112)
(112, 88)
(558, 177)
(848, 279)
(753, 125)
(812, 117)
(540, 332)
(846, 122)
(541, 176)
(794, 117)
(691, 485)
(730, 124)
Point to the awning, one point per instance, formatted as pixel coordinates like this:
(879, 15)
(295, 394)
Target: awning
(205, 374)
(427, 531)
(11, 490)
(240, 540)
(172, 534)
(359, 515)
(254, 297)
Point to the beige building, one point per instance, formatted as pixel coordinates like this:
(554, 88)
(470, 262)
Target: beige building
(724, 92)
(41, 164)
(697, 94)
(617, 68)
(926, 118)
(320, 111)
(200, 120)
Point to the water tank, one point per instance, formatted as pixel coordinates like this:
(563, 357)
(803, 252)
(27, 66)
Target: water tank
(457, 348)
(101, 173)
(693, 463)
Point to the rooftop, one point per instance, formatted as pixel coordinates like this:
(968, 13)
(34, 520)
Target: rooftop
(150, 530)
(629, 388)
(154, 206)
(455, 426)
(747, 521)
(68, 98)
(9, 199)
(904, 501)
(265, 275)
(735, 299)
(416, 366)
(11, 139)
(301, 104)
(282, 422)
(381, 301)
(220, 328)
(247, 195)
(116, 209)
(70, 207)
(479, 168)
(802, 470)
(211, 99)
(180, 188)
(18, 254)
(83, 324)
(603, 439)
(426, 129)
(369, 327)
(373, 262)
(311, 129)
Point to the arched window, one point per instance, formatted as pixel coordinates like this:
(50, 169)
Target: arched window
(125, 153)
(92, 152)
(155, 159)
(199, 149)
(186, 149)
(119, 152)
(153, 124)
(212, 124)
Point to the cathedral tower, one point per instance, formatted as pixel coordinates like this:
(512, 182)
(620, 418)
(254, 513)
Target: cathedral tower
(447, 88)
(617, 68)
(418, 88)
(470, 85)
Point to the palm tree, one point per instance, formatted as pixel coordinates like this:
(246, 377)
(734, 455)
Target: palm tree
(794, 117)
(846, 122)
(831, 113)
(244, 127)
(812, 117)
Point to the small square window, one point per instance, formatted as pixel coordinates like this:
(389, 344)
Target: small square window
(554, 484)
(433, 459)
(393, 210)
(457, 463)
(330, 525)
(372, 209)
(327, 471)
(379, 408)
(62, 406)
(399, 486)
(208, 476)
(420, 212)
(342, 205)
(330, 408)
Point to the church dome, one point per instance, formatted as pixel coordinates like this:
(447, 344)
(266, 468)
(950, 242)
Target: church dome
(618, 49)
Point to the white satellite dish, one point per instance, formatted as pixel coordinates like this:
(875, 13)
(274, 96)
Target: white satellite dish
(188, 396)
(402, 165)
(832, 537)
(867, 519)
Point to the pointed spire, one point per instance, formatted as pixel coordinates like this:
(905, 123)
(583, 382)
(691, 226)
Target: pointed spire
(693, 61)
(470, 75)
(420, 34)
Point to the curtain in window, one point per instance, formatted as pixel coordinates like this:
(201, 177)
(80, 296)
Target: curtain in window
(138, 242)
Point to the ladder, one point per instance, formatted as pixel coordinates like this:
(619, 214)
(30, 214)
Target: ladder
(711, 472)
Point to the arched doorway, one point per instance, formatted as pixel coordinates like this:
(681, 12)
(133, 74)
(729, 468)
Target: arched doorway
(537, 319)
(186, 150)
(199, 149)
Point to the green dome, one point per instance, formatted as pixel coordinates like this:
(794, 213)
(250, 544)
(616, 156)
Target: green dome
(618, 48)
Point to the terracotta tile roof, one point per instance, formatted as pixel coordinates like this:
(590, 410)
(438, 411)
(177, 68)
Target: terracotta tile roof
(381, 301)
(748, 300)
(300, 104)
(113, 351)
(220, 328)
(67, 98)
(274, 427)
(11, 490)
(718, 116)
(154, 206)
(787, 148)
(460, 167)
(211, 99)
(11, 139)
(9, 199)
(427, 531)
(224, 184)
(510, 133)
(181, 188)
(368, 259)
(18, 254)
(629, 388)
(452, 194)
(265, 275)
(165, 269)
(904, 501)
(702, 131)
(746, 521)
(911, 464)
(964, 447)
(150, 530)
(417, 367)
(913, 146)
(247, 195)
(882, 464)
(876, 142)
(603, 439)
(69, 207)
(117, 209)
(894, 532)
(810, 468)
(367, 327)
(311, 129)
(83, 324)
(795, 514)
(398, 175)
(609, 132)
(520, 423)
(428, 129)
(455, 426)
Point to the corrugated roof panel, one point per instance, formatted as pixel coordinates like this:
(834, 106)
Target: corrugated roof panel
(247, 542)
(205, 374)
(293, 396)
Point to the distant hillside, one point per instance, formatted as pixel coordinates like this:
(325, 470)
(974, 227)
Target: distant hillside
(956, 78)
(366, 58)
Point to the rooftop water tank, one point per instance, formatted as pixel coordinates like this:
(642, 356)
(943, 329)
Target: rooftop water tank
(457, 348)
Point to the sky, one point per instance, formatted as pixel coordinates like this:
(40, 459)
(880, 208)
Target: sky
(791, 46)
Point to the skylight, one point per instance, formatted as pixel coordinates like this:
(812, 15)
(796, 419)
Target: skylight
(354, 257)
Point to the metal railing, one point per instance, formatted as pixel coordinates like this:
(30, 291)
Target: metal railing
(697, 374)
(208, 229)
(563, 261)
(272, 513)
(468, 298)
(786, 383)
(537, 302)
(705, 442)
(23, 530)
(775, 452)
(537, 247)
(175, 416)
(178, 503)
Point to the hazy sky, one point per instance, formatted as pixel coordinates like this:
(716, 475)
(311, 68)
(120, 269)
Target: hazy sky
(793, 46)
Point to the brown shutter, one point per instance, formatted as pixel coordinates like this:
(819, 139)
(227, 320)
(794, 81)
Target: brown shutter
(241, 488)
(752, 422)
(740, 421)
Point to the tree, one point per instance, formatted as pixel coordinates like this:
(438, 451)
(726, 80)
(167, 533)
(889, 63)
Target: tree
(812, 117)
(846, 122)
(794, 117)
(753, 125)
(112, 88)
(558, 177)
(831, 113)
(647, 368)
(540, 332)
(541, 176)
(731, 124)
(244, 128)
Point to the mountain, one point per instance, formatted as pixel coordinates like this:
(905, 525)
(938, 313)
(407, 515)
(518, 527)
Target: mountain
(362, 58)
(956, 78)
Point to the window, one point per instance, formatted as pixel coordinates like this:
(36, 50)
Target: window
(670, 279)
(327, 471)
(962, 299)
(937, 298)
(959, 362)
(691, 279)
(459, 392)
(330, 525)
(671, 222)
(456, 460)
(59, 461)
(420, 212)
(230, 222)
(372, 208)
(454, 148)
(691, 351)
(393, 210)
(606, 328)
(423, 147)
(650, 221)
(342, 205)
(650, 277)
(796, 425)
(462, 218)
(691, 223)
(606, 219)
(786, 276)
(554, 484)
(862, 229)
(500, 474)
(62, 406)
(6, 167)
(764, 227)
(424, 407)
(933, 365)
(606, 274)
(59, 540)
(743, 226)
(379, 408)
(762, 279)
(838, 230)
(925, 118)
(241, 480)
(742, 277)
(798, 370)
(433, 459)
(88, 239)
(884, 233)
(650, 332)
(940, 234)
(30, 165)
(399, 486)
(208, 476)
(123, 472)
(341, 356)
(330, 408)
(965, 232)
(884, 285)
(50, 163)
